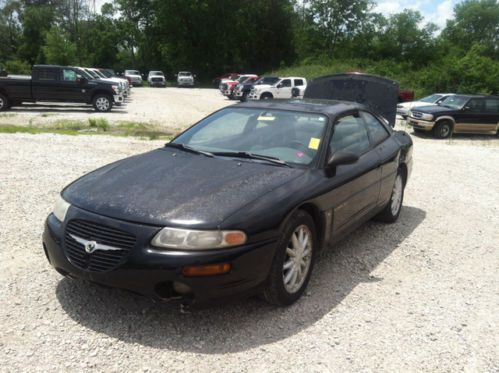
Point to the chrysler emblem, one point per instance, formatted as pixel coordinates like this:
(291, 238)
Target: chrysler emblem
(92, 246)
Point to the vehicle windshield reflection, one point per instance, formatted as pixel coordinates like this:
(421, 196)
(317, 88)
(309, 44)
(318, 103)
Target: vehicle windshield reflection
(287, 136)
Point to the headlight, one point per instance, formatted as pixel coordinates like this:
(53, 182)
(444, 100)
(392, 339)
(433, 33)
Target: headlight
(186, 239)
(115, 88)
(61, 208)
(427, 116)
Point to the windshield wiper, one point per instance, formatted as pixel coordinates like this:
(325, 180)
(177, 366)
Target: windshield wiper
(188, 149)
(248, 155)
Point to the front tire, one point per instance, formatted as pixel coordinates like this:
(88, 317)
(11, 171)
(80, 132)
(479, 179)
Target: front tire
(103, 103)
(392, 210)
(293, 261)
(266, 96)
(4, 102)
(443, 129)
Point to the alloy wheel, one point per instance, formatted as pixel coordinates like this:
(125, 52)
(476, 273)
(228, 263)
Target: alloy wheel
(398, 188)
(102, 104)
(298, 259)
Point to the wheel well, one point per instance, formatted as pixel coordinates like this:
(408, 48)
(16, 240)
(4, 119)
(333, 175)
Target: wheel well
(101, 93)
(314, 212)
(264, 94)
(438, 121)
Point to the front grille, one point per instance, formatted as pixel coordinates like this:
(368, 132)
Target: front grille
(417, 114)
(99, 260)
(157, 80)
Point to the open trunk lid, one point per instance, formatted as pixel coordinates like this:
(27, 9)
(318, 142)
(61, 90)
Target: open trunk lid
(378, 93)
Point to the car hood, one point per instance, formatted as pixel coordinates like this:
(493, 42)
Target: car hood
(170, 187)
(412, 104)
(133, 76)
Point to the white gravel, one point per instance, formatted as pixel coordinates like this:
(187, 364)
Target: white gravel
(419, 295)
(167, 107)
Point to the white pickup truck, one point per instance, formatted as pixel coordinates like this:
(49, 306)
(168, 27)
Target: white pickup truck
(282, 89)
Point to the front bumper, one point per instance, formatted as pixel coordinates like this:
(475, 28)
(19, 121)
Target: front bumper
(185, 83)
(152, 272)
(420, 124)
(118, 99)
(157, 84)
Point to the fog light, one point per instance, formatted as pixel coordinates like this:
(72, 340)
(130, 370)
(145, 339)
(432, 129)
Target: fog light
(206, 270)
(181, 288)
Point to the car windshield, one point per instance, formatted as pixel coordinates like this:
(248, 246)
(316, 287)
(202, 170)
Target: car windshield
(292, 137)
(132, 72)
(156, 73)
(267, 80)
(431, 98)
(454, 102)
(184, 74)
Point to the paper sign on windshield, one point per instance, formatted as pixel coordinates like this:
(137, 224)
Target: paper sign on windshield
(314, 143)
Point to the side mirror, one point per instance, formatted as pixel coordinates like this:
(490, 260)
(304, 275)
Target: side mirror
(341, 158)
(279, 85)
(466, 108)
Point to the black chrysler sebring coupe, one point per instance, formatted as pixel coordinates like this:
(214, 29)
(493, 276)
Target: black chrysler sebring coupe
(240, 203)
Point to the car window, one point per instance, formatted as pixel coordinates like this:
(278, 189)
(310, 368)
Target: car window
(48, 74)
(286, 83)
(298, 82)
(350, 134)
(377, 131)
(492, 105)
(476, 105)
(68, 75)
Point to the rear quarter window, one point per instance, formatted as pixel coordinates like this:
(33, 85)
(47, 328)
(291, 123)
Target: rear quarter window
(377, 132)
(48, 74)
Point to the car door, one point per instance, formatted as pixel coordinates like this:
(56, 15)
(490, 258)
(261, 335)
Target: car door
(474, 118)
(46, 84)
(70, 88)
(283, 89)
(388, 152)
(354, 188)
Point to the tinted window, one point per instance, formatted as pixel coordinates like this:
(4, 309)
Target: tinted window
(48, 74)
(476, 105)
(68, 75)
(376, 130)
(492, 105)
(286, 83)
(298, 82)
(350, 134)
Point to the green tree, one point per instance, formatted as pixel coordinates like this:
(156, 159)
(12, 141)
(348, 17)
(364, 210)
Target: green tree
(58, 49)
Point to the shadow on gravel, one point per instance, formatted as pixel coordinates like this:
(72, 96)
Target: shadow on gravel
(55, 109)
(245, 324)
(455, 138)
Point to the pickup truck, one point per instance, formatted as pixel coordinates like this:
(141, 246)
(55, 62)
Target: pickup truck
(58, 84)
(282, 89)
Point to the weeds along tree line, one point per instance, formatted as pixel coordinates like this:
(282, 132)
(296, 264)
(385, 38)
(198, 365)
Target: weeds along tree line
(210, 37)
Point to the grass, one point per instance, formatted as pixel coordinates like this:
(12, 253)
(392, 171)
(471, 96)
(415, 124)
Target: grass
(99, 126)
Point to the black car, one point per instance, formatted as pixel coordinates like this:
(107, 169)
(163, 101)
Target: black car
(458, 114)
(59, 84)
(240, 203)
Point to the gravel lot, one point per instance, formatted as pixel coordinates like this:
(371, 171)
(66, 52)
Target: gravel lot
(168, 107)
(419, 295)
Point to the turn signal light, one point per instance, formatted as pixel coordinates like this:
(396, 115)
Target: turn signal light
(206, 270)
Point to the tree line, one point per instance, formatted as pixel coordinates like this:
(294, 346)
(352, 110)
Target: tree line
(210, 37)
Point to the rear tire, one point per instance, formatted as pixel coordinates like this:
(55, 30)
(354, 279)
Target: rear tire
(4, 103)
(293, 261)
(392, 209)
(443, 129)
(103, 103)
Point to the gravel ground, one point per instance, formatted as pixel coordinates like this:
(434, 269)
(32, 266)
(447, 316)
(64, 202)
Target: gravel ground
(168, 107)
(419, 295)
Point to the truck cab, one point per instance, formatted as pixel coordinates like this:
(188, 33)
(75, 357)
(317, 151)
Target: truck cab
(283, 89)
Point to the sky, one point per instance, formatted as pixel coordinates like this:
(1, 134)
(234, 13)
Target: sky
(436, 11)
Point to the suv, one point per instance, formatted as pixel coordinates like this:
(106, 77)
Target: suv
(134, 77)
(282, 89)
(458, 114)
(156, 79)
(185, 79)
(434, 99)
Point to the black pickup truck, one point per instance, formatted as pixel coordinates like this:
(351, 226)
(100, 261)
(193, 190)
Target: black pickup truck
(58, 84)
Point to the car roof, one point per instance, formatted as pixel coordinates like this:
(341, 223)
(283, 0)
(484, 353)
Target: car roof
(476, 96)
(328, 107)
